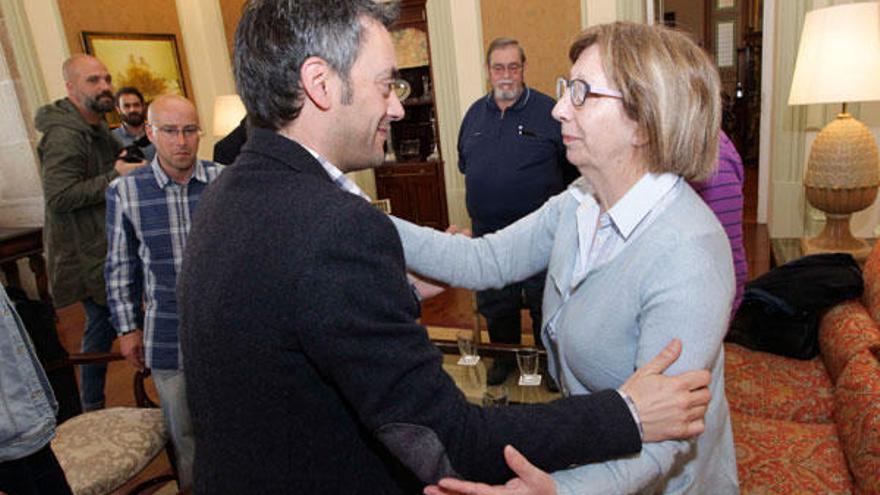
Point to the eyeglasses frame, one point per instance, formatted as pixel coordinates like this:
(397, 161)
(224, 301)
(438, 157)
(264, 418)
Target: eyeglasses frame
(565, 84)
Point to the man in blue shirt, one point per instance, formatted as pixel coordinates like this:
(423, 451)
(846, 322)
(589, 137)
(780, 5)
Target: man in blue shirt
(132, 112)
(149, 214)
(510, 150)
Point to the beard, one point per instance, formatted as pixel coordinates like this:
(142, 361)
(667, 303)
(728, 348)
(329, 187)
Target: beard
(506, 95)
(100, 103)
(134, 119)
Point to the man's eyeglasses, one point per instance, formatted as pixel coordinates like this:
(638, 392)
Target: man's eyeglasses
(513, 68)
(170, 132)
(401, 88)
(579, 90)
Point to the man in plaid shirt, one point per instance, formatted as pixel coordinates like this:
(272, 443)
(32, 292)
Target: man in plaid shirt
(149, 214)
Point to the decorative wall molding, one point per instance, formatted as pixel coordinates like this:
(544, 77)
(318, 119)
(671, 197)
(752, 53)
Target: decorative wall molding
(201, 25)
(455, 36)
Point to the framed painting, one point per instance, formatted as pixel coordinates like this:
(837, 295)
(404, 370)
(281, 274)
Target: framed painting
(149, 62)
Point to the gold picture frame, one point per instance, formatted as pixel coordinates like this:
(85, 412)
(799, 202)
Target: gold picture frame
(149, 62)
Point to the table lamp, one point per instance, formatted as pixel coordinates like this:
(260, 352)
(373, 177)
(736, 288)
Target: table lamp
(838, 62)
(228, 112)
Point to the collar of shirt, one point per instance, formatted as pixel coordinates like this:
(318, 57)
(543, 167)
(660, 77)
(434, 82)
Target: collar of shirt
(163, 180)
(622, 219)
(632, 208)
(337, 176)
(520, 103)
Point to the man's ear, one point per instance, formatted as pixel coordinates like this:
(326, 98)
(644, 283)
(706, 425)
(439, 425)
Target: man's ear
(315, 77)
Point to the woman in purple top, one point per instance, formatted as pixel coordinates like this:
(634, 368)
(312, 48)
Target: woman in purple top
(723, 192)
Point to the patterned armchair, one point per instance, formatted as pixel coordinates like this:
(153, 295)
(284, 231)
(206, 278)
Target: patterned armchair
(813, 426)
(100, 451)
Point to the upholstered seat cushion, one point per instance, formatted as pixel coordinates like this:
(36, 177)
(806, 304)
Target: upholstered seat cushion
(776, 387)
(786, 457)
(846, 330)
(101, 450)
(857, 413)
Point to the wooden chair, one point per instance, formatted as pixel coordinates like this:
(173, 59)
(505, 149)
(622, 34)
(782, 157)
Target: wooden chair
(101, 450)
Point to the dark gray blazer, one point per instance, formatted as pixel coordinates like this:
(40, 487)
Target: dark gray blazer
(306, 371)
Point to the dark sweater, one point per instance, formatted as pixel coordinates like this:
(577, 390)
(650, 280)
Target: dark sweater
(513, 160)
(305, 369)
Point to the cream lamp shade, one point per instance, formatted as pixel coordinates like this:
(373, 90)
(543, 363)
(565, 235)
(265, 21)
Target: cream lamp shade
(838, 62)
(839, 55)
(228, 112)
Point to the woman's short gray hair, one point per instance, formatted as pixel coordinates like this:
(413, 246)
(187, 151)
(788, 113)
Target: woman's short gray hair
(670, 88)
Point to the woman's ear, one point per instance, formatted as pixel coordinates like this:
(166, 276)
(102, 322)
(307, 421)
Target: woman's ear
(640, 136)
(315, 77)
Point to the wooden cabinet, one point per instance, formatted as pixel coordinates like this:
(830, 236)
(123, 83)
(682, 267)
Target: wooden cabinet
(412, 176)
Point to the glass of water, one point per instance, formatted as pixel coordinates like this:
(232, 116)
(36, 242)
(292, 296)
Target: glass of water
(527, 361)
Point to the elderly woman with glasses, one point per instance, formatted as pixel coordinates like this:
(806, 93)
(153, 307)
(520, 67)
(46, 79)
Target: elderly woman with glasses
(634, 257)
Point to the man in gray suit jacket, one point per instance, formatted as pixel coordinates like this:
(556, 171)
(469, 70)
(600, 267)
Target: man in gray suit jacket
(306, 371)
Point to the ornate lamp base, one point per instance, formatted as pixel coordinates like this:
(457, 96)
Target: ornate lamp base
(842, 178)
(836, 238)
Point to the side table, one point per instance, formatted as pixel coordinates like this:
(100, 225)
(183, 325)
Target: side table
(785, 249)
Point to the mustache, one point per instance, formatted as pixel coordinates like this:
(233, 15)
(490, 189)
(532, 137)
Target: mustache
(505, 81)
(108, 94)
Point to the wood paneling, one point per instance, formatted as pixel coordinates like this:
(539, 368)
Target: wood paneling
(123, 16)
(544, 29)
(690, 16)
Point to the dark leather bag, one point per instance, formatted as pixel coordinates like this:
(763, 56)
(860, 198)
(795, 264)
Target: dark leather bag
(782, 309)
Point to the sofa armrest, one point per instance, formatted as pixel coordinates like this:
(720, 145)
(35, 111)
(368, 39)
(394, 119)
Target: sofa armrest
(857, 416)
(846, 330)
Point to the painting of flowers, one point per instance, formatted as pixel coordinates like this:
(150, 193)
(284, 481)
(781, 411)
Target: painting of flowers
(149, 62)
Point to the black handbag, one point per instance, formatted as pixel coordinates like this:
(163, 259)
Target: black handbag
(781, 310)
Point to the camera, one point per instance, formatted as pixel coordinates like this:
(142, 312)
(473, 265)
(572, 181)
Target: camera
(133, 153)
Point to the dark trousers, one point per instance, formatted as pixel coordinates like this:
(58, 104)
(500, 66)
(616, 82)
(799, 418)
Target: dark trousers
(36, 474)
(501, 308)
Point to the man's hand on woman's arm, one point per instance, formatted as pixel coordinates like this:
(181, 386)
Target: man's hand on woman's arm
(669, 407)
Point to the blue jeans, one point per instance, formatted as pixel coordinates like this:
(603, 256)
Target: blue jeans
(172, 394)
(97, 337)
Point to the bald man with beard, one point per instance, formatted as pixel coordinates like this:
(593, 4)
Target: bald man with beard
(78, 158)
(149, 214)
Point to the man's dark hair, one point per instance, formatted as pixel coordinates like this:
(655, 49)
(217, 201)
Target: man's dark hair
(128, 90)
(275, 37)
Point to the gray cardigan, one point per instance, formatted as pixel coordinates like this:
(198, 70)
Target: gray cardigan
(673, 281)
